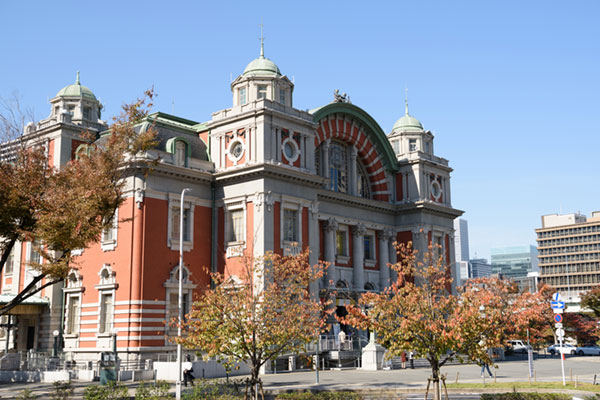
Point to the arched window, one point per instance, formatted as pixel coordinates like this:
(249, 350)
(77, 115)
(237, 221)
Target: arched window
(172, 296)
(338, 167)
(363, 189)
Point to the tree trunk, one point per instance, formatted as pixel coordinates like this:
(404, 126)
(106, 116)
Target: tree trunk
(435, 375)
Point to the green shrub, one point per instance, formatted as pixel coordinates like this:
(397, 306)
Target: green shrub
(26, 394)
(111, 391)
(62, 390)
(152, 390)
(216, 390)
(319, 396)
(525, 396)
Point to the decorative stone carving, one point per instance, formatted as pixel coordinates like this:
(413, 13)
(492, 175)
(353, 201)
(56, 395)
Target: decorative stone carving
(340, 98)
(266, 199)
(331, 225)
(314, 209)
(359, 230)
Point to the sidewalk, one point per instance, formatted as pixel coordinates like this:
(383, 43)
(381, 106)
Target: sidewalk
(398, 381)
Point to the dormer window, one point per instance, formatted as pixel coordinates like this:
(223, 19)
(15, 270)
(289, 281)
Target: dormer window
(243, 96)
(282, 96)
(180, 153)
(71, 110)
(87, 113)
(261, 92)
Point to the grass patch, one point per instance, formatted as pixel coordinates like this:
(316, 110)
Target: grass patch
(588, 387)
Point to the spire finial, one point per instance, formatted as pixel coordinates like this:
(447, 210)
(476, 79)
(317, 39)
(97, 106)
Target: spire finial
(77, 79)
(262, 41)
(406, 100)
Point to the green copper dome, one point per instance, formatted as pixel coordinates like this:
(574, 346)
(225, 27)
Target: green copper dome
(407, 123)
(76, 90)
(261, 66)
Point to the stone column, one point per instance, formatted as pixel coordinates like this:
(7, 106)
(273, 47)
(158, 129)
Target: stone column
(353, 172)
(384, 258)
(331, 227)
(358, 257)
(393, 256)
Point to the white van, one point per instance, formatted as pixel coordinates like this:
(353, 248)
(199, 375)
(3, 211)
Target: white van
(518, 346)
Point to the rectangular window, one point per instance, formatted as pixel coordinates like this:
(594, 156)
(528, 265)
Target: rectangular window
(174, 306)
(108, 235)
(175, 223)
(396, 145)
(236, 231)
(71, 110)
(8, 268)
(412, 144)
(282, 96)
(73, 316)
(261, 92)
(369, 253)
(243, 97)
(87, 113)
(106, 305)
(341, 248)
(34, 254)
(290, 225)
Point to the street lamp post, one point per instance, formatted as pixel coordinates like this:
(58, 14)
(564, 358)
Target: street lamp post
(55, 348)
(180, 296)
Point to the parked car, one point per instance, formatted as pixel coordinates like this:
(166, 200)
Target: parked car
(591, 350)
(565, 349)
(518, 346)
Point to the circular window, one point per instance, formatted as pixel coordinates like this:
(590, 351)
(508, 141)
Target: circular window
(236, 150)
(290, 149)
(436, 189)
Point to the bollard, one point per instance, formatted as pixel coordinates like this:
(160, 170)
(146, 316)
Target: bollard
(494, 375)
(594, 379)
(571, 374)
(456, 381)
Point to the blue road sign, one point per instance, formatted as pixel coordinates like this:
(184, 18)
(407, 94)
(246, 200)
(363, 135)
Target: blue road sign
(557, 304)
(557, 318)
(556, 297)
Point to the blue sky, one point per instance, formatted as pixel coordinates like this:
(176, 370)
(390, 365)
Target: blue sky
(509, 88)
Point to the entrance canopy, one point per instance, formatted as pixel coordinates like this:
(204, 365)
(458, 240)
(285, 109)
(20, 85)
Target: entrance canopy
(32, 305)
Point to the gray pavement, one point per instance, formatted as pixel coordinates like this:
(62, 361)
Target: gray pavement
(408, 381)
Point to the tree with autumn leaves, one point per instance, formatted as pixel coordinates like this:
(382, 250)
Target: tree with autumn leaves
(61, 210)
(264, 313)
(419, 313)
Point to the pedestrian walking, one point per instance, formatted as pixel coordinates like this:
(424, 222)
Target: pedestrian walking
(411, 359)
(403, 359)
(188, 367)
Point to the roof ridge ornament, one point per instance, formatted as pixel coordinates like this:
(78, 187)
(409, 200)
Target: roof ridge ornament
(262, 41)
(340, 98)
(77, 79)
(406, 100)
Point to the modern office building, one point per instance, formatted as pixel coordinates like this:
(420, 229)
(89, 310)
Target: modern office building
(514, 261)
(461, 247)
(480, 268)
(264, 176)
(569, 253)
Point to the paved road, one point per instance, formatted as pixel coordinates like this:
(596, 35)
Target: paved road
(411, 382)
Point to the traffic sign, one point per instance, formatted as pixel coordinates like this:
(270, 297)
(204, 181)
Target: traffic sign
(557, 310)
(557, 318)
(556, 297)
(560, 332)
(557, 304)
(558, 325)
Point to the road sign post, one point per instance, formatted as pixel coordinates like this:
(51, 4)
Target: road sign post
(558, 306)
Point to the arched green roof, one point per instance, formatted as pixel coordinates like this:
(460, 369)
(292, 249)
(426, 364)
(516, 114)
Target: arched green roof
(370, 126)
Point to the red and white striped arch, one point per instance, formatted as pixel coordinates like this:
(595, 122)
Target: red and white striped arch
(345, 129)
